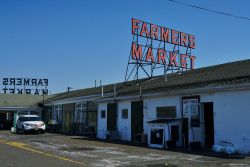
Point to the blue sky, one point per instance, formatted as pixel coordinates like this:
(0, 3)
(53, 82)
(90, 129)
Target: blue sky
(74, 43)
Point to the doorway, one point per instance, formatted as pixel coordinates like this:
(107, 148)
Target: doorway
(6, 120)
(208, 124)
(112, 116)
(185, 132)
(175, 133)
(68, 110)
(136, 118)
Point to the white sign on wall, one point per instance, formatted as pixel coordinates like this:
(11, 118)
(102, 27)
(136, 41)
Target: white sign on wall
(191, 107)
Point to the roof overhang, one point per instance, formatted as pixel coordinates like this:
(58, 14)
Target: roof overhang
(20, 108)
(77, 99)
(181, 92)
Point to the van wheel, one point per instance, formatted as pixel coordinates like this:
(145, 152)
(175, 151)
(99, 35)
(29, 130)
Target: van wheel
(17, 130)
(23, 131)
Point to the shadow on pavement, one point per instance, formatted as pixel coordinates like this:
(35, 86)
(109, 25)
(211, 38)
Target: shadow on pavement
(201, 152)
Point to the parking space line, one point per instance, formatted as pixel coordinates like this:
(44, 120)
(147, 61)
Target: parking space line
(25, 147)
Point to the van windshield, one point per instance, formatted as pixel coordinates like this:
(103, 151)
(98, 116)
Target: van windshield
(29, 119)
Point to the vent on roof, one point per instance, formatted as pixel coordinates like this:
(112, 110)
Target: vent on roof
(68, 88)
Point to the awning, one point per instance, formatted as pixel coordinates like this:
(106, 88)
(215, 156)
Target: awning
(164, 120)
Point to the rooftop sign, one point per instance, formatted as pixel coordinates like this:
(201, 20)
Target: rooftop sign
(162, 34)
(159, 46)
(25, 86)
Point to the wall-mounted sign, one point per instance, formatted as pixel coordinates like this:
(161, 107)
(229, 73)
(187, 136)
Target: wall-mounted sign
(25, 86)
(190, 107)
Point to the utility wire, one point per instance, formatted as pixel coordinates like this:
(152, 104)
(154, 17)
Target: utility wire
(210, 10)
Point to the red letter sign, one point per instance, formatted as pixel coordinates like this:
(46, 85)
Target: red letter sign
(150, 55)
(135, 26)
(191, 41)
(154, 31)
(161, 56)
(183, 61)
(136, 51)
(172, 56)
(192, 58)
(144, 30)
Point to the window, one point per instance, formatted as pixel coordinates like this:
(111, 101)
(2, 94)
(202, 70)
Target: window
(80, 106)
(166, 112)
(124, 113)
(29, 119)
(57, 114)
(80, 112)
(103, 113)
(8, 116)
(35, 113)
(22, 112)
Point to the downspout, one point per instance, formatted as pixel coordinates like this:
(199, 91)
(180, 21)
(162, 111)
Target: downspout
(102, 91)
(140, 91)
(114, 92)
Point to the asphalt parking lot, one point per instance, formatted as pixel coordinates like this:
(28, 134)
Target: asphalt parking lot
(56, 150)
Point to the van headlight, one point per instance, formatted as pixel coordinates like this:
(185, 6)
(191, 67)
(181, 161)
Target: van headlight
(26, 124)
(42, 124)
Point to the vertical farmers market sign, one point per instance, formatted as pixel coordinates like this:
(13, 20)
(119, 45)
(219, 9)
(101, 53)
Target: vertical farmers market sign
(33, 86)
(156, 46)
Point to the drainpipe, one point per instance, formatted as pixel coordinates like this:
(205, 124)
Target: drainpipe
(140, 91)
(114, 91)
(165, 73)
(102, 91)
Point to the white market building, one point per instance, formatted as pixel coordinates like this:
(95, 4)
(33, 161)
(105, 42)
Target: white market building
(204, 107)
(208, 105)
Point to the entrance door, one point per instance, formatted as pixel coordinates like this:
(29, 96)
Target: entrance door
(6, 120)
(185, 132)
(136, 118)
(2, 120)
(209, 124)
(65, 121)
(67, 117)
(112, 116)
(175, 133)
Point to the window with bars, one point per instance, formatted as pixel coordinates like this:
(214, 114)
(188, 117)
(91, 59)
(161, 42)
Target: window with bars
(35, 113)
(57, 113)
(80, 112)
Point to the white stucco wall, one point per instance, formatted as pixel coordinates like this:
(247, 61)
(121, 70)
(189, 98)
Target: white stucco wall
(232, 118)
(124, 125)
(101, 122)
